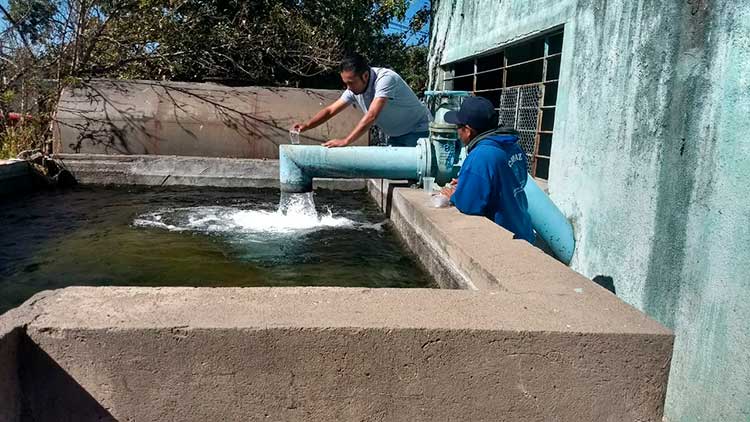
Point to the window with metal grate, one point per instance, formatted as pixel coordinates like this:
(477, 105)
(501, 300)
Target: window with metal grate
(521, 81)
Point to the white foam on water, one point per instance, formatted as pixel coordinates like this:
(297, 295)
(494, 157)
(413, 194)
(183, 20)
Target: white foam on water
(144, 221)
(295, 213)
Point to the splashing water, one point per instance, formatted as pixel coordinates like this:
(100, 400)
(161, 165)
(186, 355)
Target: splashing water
(296, 212)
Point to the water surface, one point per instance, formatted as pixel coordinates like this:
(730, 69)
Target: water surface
(195, 237)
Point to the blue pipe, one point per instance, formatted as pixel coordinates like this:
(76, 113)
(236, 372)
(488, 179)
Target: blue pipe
(549, 222)
(299, 164)
(448, 93)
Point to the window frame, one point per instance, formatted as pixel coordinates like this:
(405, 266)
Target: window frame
(552, 51)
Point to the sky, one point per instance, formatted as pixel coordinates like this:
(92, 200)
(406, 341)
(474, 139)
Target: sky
(3, 24)
(416, 5)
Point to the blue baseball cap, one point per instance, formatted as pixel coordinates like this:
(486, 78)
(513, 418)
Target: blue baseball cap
(477, 112)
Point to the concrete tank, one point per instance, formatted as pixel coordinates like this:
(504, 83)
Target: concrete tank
(190, 119)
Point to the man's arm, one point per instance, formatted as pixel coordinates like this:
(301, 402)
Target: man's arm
(472, 194)
(322, 116)
(364, 124)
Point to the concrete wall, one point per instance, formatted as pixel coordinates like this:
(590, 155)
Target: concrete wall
(10, 385)
(650, 160)
(337, 354)
(15, 177)
(527, 339)
(455, 248)
(190, 119)
(164, 170)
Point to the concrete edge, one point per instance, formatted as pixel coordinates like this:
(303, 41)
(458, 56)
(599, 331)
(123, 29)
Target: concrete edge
(170, 170)
(316, 308)
(448, 333)
(13, 325)
(431, 245)
(13, 334)
(442, 229)
(462, 251)
(348, 374)
(10, 383)
(426, 251)
(15, 177)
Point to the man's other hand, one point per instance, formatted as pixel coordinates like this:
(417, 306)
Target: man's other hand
(299, 127)
(335, 143)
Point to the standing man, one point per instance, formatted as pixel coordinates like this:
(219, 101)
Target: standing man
(386, 100)
(493, 176)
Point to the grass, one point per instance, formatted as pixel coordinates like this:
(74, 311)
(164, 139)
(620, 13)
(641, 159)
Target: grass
(20, 137)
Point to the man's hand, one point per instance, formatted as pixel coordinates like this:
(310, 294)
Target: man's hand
(322, 116)
(335, 143)
(450, 189)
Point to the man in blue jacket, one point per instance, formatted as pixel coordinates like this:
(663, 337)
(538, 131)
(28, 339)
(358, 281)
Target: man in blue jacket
(494, 174)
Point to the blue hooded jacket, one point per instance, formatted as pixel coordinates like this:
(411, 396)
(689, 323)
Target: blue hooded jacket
(492, 180)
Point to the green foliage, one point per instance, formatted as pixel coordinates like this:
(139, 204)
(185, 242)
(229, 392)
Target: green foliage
(33, 17)
(6, 97)
(20, 137)
(251, 42)
(413, 67)
(269, 42)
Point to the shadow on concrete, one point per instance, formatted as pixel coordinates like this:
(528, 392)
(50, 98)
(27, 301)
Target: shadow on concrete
(104, 116)
(50, 393)
(606, 281)
(392, 186)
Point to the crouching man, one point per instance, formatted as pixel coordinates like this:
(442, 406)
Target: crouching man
(493, 176)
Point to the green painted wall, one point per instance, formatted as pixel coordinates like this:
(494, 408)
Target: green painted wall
(651, 161)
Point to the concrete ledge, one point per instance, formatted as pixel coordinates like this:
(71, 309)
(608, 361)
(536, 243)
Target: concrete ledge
(337, 354)
(10, 385)
(15, 177)
(442, 269)
(162, 170)
(474, 251)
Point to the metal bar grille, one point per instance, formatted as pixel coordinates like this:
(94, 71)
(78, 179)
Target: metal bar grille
(519, 109)
(521, 81)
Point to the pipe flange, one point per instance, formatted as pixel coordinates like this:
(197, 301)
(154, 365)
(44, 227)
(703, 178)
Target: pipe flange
(424, 168)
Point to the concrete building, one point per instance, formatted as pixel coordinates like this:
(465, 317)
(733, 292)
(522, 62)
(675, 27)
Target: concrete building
(636, 112)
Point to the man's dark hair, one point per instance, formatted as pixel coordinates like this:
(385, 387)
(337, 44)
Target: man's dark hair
(354, 62)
